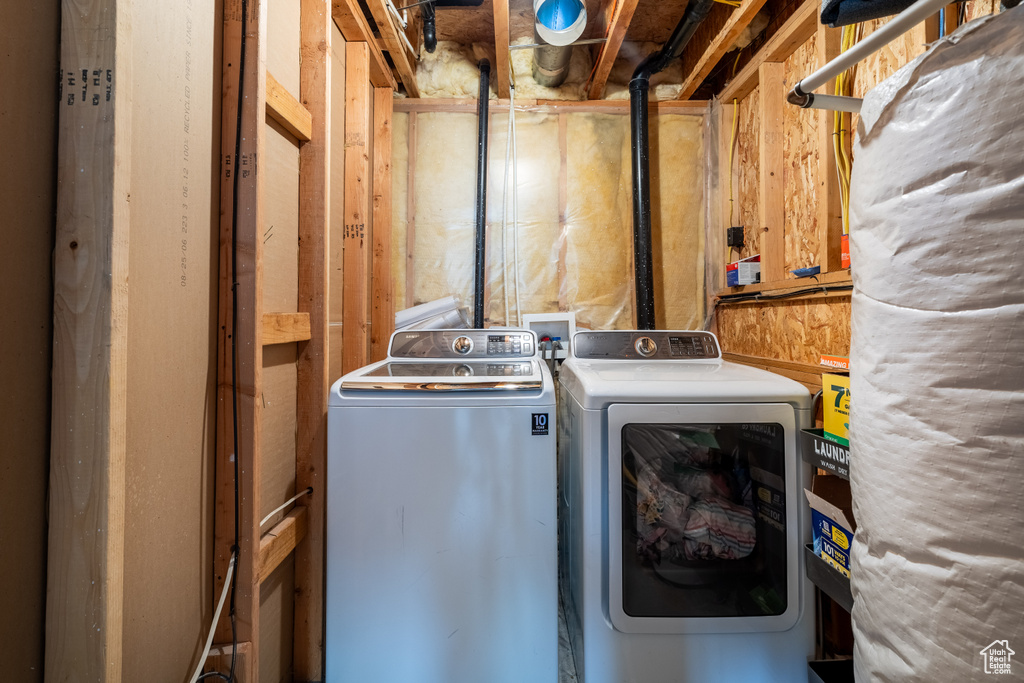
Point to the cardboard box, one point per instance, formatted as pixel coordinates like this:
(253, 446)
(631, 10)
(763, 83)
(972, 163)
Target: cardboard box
(835, 407)
(745, 272)
(831, 521)
(844, 252)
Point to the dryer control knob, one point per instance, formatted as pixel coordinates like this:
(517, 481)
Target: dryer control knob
(462, 345)
(646, 347)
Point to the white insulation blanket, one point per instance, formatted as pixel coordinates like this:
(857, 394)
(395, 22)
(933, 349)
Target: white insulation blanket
(937, 409)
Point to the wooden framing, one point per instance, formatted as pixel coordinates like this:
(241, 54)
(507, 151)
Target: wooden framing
(405, 61)
(411, 106)
(278, 543)
(283, 328)
(719, 45)
(501, 44)
(382, 320)
(355, 29)
(358, 153)
(770, 139)
(613, 22)
(286, 110)
(410, 213)
(830, 216)
(85, 563)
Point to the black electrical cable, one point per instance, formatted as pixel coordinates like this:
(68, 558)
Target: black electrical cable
(756, 296)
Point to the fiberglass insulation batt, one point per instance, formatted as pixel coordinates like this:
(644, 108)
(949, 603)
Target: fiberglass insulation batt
(937, 409)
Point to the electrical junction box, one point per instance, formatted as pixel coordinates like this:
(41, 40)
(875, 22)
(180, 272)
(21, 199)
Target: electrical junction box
(560, 326)
(734, 237)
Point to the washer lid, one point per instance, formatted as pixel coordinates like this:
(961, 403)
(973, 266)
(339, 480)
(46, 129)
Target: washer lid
(446, 376)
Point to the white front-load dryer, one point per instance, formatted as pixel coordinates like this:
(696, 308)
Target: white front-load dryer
(441, 523)
(680, 513)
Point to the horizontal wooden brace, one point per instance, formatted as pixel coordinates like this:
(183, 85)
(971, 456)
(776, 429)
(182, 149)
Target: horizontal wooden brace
(423, 105)
(279, 542)
(283, 328)
(288, 111)
(806, 373)
(353, 26)
(826, 280)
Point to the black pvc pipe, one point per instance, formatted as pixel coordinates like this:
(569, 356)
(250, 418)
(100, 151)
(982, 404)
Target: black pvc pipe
(481, 194)
(643, 261)
(429, 27)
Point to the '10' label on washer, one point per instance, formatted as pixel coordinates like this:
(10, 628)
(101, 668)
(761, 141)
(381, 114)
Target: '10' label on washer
(540, 424)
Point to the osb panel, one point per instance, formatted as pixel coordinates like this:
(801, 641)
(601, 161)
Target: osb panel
(885, 62)
(283, 43)
(800, 167)
(337, 199)
(399, 204)
(277, 460)
(799, 331)
(27, 193)
(280, 223)
(980, 8)
(654, 20)
(598, 227)
(747, 173)
(277, 623)
(677, 189)
(466, 24)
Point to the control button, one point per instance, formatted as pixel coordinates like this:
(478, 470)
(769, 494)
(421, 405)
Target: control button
(528, 348)
(462, 345)
(646, 347)
(463, 371)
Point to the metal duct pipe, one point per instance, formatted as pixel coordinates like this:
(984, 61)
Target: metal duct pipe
(643, 265)
(558, 24)
(481, 194)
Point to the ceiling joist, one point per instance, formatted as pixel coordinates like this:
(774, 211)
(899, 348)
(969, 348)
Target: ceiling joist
(719, 31)
(394, 43)
(501, 43)
(614, 22)
(356, 29)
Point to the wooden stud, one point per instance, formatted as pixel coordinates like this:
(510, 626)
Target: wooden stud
(382, 322)
(723, 39)
(404, 60)
(830, 215)
(770, 141)
(563, 209)
(220, 660)
(410, 213)
(613, 22)
(85, 567)
(278, 543)
(358, 105)
(286, 110)
(791, 35)
(354, 27)
(501, 43)
(282, 328)
(246, 285)
(313, 366)
(726, 122)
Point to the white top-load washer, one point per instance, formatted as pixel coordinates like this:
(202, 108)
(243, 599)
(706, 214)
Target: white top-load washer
(441, 522)
(680, 513)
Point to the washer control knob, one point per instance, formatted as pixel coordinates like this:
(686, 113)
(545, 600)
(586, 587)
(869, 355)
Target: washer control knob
(462, 345)
(646, 347)
(463, 371)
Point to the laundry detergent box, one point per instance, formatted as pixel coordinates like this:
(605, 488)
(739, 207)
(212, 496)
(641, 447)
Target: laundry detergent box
(835, 399)
(832, 521)
(744, 272)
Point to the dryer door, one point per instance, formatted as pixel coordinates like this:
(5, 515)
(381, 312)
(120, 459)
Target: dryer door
(703, 505)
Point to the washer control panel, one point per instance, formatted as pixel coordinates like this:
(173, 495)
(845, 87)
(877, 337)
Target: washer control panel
(463, 344)
(646, 345)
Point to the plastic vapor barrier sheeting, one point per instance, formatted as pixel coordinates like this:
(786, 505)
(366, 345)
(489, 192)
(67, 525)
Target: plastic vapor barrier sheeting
(937, 390)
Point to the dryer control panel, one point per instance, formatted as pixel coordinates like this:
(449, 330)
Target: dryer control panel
(646, 345)
(463, 344)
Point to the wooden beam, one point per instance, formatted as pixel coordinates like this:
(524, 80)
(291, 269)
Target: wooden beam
(427, 105)
(830, 215)
(770, 145)
(286, 110)
(807, 374)
(283, 328)
(787, 286)
(354, 27)
(382, 321)
(563, 213)
(278, 543)
(410, 215)
(404, 60)
(791, 35)
(613, 22)
(85, 563)
(737, 20)
(501, 43)
(220, 660)
(313, 363)
(245, 285)
(358, 132)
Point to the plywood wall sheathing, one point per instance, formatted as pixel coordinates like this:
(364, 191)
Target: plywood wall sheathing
(801, 185)
(28, 187)
(799, 331)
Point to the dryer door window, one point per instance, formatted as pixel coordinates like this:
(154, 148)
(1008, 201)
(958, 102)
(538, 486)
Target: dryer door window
(704, 527)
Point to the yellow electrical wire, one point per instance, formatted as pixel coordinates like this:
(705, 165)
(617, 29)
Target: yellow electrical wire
(732, 149)
(844, 164)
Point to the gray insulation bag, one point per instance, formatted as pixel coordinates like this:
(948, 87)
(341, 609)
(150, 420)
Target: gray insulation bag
(937, 356)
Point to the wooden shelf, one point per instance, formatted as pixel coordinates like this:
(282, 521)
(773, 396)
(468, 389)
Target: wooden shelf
(835, 279)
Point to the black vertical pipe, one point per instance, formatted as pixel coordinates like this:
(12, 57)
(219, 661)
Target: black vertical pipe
(481, 194)
(643, 271)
